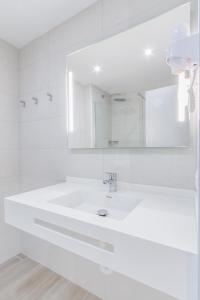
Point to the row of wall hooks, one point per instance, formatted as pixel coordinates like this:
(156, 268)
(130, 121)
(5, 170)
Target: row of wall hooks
(36, 100)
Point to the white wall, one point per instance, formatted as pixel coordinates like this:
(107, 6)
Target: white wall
(44, 157)
(42, 69)
(9, 237)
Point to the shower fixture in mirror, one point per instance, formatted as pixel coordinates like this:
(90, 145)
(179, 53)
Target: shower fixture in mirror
(121, 92)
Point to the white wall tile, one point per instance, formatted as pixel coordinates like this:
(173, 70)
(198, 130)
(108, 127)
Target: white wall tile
(34, 77)
(85, 163)
(117, 161)
(8, 83)
(9, 107)
(8, 69)
(173, 168)
(77, 30)
(56, 70)
(9, 135)
(34, 111)
(27, 183)
(45, 108)
(8, 54)
(57, 108)
(9, 237)
(34, 51)
(43, 134)
(8, 163)
(119, 15)
(39, 164)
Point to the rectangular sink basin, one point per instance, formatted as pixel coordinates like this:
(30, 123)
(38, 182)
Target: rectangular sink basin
(115, 206)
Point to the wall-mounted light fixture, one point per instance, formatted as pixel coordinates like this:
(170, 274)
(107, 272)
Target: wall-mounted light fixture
(71, 102)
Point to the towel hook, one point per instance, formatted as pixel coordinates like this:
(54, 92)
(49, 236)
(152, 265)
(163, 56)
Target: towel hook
(50, 97)
(35, 100)
(23, 103)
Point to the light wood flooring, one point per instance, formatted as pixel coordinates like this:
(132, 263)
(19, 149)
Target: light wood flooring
(24, 279)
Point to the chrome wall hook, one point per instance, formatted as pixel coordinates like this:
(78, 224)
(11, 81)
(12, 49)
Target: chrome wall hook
(35, 100)
(23, 103)
(50, 97)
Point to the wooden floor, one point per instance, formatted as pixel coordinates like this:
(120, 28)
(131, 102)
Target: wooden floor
(24, 279)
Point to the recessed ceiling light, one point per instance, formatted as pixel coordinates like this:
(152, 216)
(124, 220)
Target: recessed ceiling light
(97, 69)
(148, 52)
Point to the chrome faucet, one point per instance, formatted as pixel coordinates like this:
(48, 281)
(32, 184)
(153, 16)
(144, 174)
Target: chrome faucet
(112, 181)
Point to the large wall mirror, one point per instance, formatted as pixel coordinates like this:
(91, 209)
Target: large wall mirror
(122, 94)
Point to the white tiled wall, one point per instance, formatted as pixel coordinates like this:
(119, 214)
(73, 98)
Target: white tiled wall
(44, 157)
(9, 237)
(42, 70)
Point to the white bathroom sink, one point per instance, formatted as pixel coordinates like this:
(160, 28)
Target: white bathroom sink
(116, 206)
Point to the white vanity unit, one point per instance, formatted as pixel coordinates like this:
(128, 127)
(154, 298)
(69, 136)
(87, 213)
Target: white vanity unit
(149, 233)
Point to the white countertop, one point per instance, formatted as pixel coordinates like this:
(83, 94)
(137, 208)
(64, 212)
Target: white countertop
(165, 216)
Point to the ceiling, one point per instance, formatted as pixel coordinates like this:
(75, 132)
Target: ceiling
(125, 68)
(21, 21)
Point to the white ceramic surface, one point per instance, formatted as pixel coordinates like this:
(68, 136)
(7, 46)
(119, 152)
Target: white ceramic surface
(147, 242)
(117, 205)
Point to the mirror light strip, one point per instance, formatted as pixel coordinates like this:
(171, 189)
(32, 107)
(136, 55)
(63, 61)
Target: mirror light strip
(71, 101)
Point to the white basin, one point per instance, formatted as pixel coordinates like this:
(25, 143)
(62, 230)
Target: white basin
(117, 205)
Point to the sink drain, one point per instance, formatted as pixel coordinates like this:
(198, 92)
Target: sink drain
(102, 212)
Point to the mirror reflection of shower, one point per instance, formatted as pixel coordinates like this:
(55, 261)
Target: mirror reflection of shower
(132, 99)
